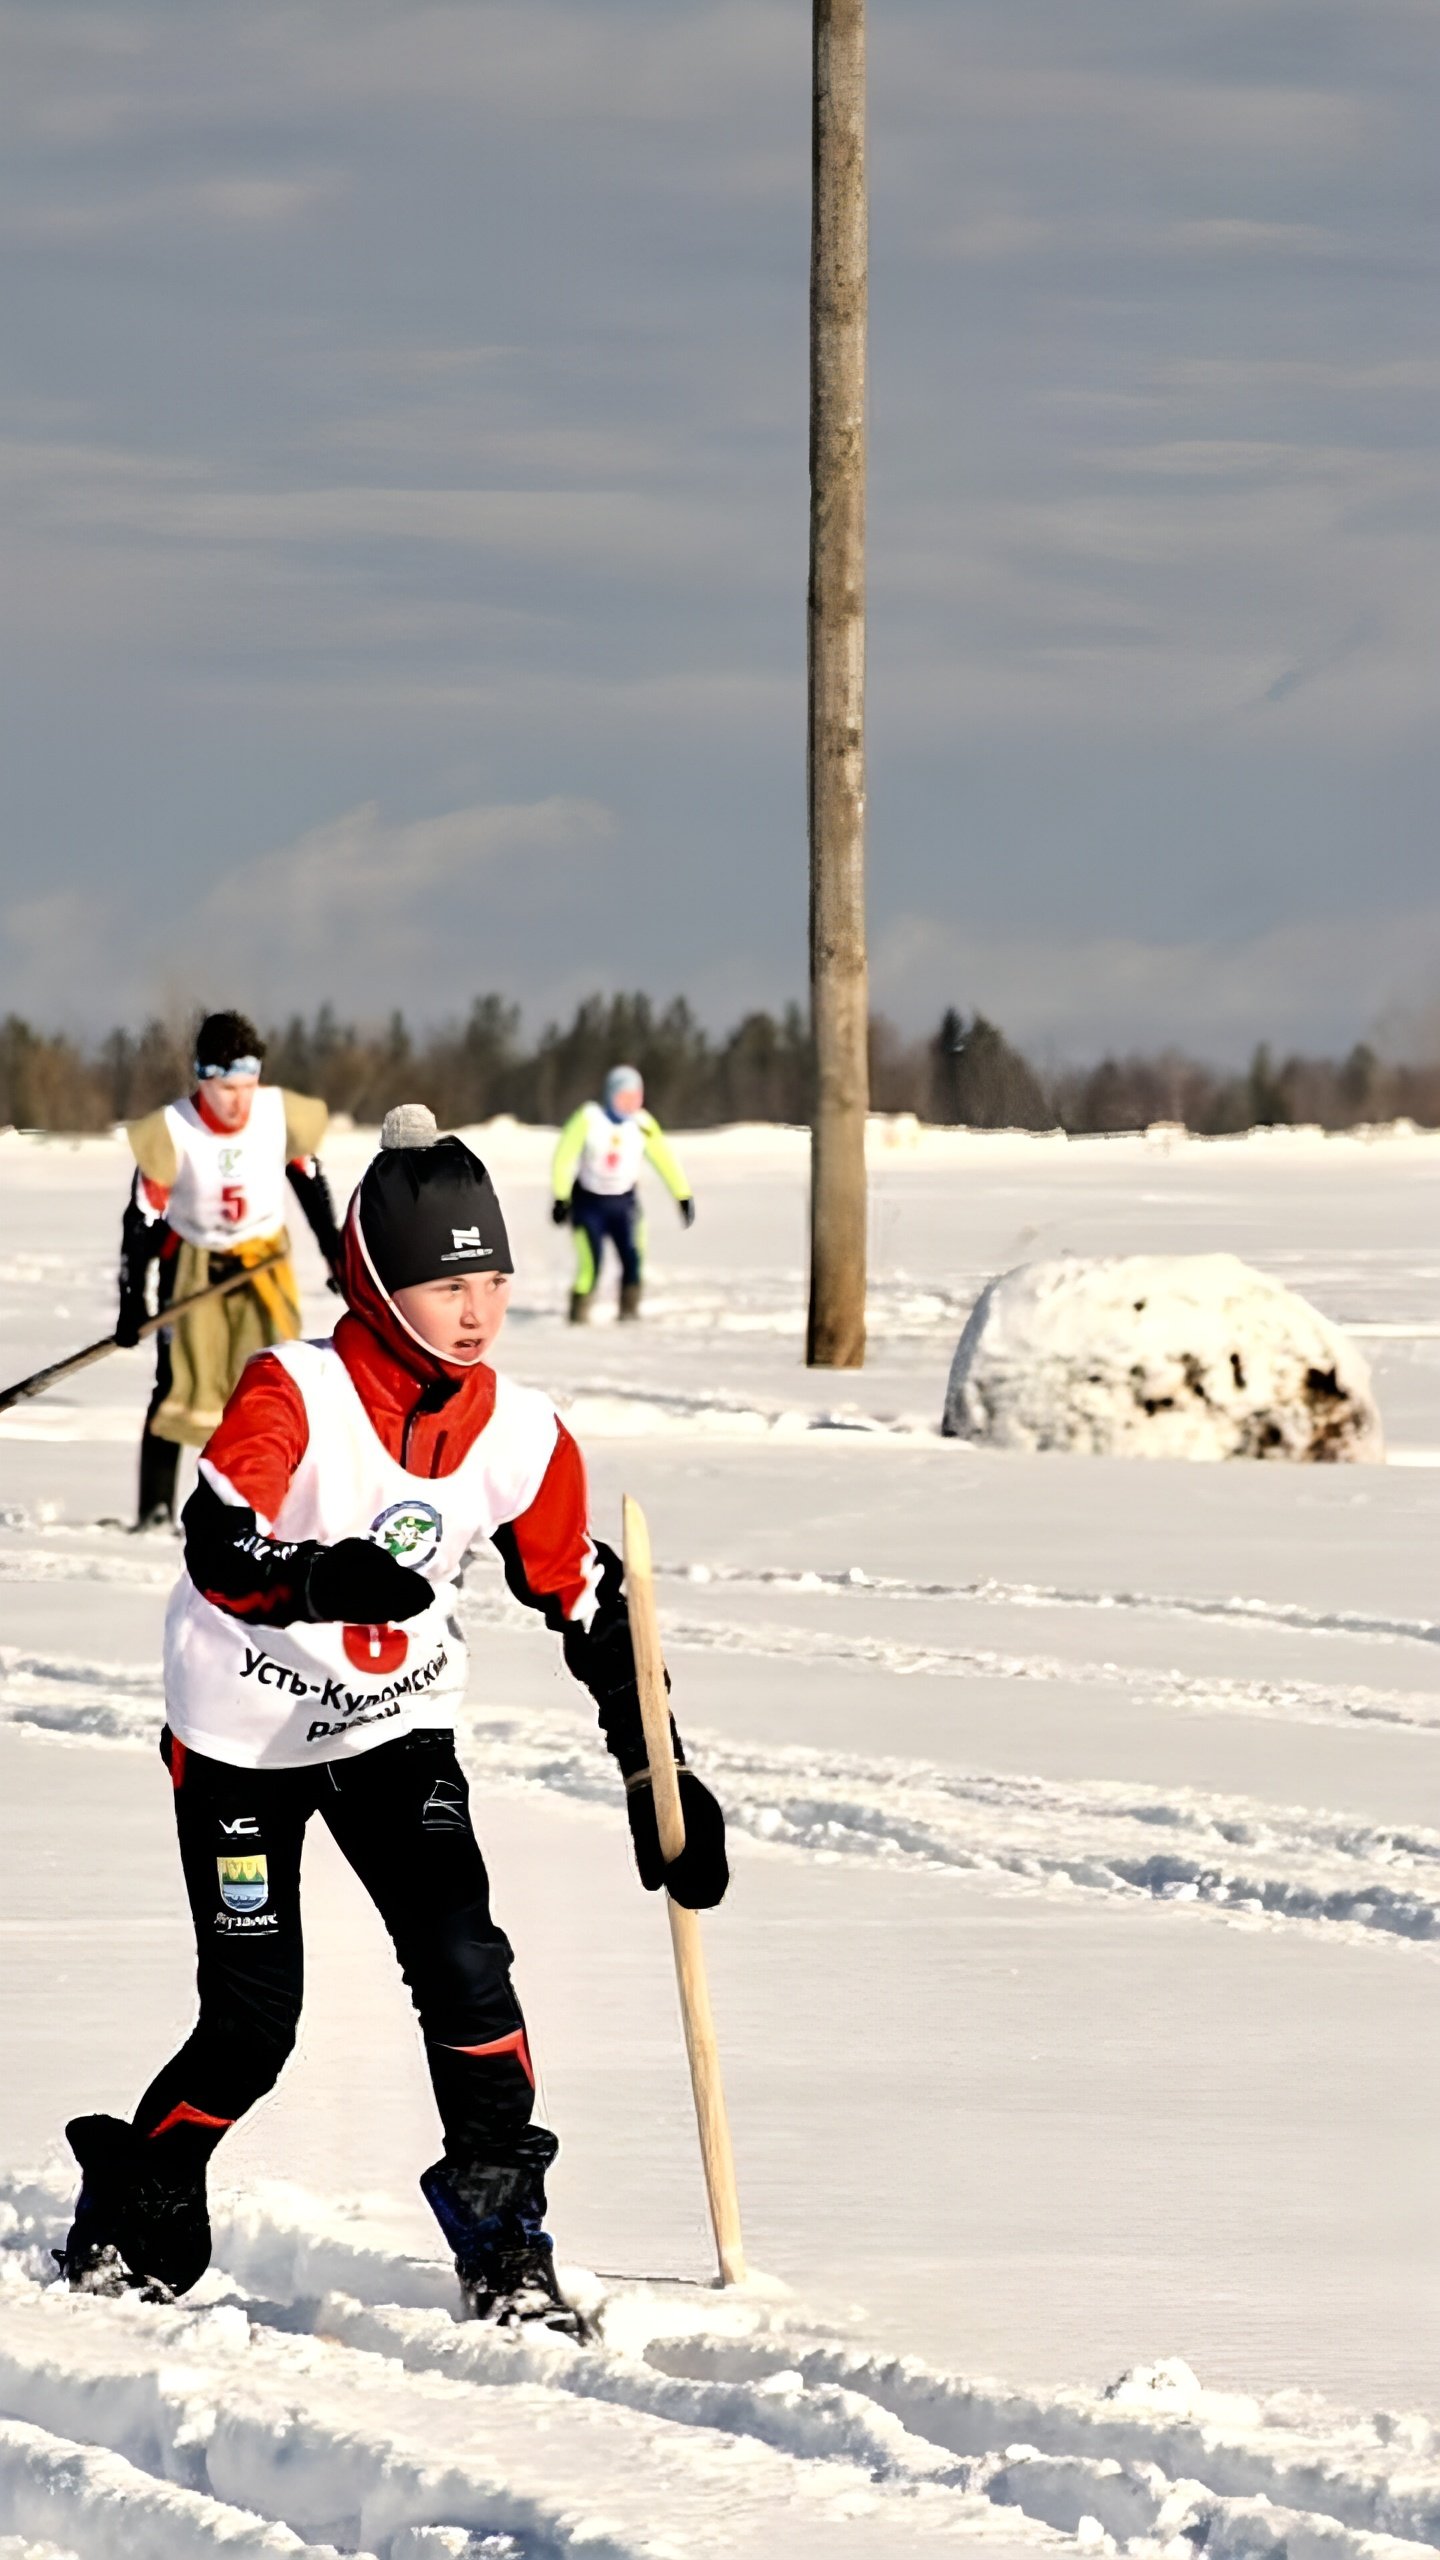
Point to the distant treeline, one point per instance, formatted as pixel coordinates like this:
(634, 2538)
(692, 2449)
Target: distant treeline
(965, 1073)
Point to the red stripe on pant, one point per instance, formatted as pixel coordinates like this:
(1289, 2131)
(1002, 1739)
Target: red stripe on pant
(515, 2044)
(186, 2114)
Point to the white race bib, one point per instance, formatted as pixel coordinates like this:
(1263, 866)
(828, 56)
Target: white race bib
(612, 1154)
(281, 1697)
(229, 1184)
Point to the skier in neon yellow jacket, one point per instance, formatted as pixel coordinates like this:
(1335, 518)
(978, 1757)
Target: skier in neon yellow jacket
(595, 1178)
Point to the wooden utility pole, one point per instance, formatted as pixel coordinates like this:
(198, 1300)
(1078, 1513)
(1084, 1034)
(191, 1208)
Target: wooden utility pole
(839, 1006)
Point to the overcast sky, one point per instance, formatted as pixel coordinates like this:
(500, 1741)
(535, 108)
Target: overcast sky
(402, 465)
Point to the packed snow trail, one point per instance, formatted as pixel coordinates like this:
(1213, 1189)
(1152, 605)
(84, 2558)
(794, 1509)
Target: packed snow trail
(108, 2508)
(342, 2443)
(1221, 1854)
(320, 2392)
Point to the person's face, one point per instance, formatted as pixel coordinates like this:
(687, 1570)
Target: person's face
(627, 1101)
(459, 1318)
(228, 1099)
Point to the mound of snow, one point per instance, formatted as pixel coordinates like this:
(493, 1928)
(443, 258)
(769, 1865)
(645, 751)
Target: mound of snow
(1158, 1356)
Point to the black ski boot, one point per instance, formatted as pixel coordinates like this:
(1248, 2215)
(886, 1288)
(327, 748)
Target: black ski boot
(159, 1466)
(580, 1306)
(136, 2226)
(629, 1301)
(491, 2212)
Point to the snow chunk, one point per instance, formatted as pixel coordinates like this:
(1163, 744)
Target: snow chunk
(1158, 1356)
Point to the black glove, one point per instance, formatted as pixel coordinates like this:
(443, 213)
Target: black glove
(141, 1238)
(700, 1874)
(363, 1585)
(306, 1178)
(334, 1283)
(687, 1212)
(560, 1212)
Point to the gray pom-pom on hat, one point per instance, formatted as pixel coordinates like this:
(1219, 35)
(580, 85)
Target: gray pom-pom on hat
(410, 1124)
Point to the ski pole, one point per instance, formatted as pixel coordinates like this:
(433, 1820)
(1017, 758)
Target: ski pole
(40, 1379)
(716, 2156)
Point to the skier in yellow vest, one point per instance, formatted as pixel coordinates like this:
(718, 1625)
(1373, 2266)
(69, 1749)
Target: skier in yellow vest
(208, 1199)
(595, 1178)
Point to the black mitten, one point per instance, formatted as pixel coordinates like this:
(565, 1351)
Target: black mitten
(363, 1585)
(700, 1874)
(140, 1241)
(560, 1212)
(687, 1212)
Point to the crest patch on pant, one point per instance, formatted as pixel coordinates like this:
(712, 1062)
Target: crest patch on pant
(245, 1882)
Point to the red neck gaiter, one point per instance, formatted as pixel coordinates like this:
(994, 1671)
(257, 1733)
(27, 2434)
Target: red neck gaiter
(426, 1412)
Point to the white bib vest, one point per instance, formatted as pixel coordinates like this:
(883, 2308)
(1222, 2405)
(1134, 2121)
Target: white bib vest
(229, 1183)
(613, 1152)
(281, 1697)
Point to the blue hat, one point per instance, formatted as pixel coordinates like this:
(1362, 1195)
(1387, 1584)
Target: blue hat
(622, 1080)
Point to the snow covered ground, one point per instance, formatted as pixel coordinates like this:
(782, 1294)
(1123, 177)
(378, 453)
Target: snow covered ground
(1075, 1989)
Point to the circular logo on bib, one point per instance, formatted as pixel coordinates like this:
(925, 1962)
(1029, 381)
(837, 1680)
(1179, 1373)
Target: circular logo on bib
(410, 1531)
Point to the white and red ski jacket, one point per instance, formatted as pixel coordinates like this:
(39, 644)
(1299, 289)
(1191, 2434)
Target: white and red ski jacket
(368, 1435)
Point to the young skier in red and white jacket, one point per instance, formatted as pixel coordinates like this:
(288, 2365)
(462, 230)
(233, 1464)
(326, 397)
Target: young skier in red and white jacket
(313, 1664)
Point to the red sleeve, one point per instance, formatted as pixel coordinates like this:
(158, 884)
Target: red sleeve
(549, 1553)
(261, 1439)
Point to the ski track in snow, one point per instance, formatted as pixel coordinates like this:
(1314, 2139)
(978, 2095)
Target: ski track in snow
(1297, 1701)
(1235, 1610)
(319, 2394)
(1221, 1854)
(1294, 1700)
(157, 1568)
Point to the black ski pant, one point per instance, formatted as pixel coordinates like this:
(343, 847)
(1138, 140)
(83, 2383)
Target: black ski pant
(159, 1459)
(400, 1814)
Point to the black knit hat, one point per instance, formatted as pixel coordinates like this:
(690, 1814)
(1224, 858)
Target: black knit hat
(224, 1037)
(427, 1208)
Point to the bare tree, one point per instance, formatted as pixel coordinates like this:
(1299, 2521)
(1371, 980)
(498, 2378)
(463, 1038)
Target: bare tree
(836, 759)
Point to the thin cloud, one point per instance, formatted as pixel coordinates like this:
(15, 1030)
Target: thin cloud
(363, 910)
(240, 200)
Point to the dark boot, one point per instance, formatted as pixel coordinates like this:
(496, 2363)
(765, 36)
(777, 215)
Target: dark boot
(492, 2213)
(629, 1300)
(159, 1466)
(136, 2223)
(580, 1306)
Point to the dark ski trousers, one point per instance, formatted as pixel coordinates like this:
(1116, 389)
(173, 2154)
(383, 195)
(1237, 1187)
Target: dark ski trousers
(400, 1814)
(598, 1215)
(159, 1459)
